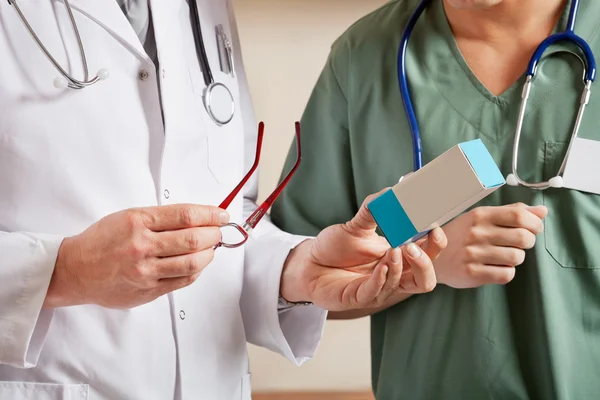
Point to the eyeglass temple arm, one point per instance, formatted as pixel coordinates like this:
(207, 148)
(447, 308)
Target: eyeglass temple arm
(260, 212)
(234, 193)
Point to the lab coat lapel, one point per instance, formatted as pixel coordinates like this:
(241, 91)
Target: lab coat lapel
(109, 15)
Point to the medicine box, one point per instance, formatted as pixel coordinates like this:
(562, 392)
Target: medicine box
(436, 193)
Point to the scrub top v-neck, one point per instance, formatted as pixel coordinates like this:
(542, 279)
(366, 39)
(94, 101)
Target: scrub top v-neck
(535, 338)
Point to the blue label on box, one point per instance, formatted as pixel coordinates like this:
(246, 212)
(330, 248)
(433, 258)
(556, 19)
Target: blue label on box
(392, 219)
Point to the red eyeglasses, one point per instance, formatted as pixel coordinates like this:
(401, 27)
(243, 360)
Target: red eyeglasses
(260, 212)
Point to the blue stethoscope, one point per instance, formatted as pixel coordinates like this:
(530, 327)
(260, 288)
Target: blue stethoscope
(589, 64)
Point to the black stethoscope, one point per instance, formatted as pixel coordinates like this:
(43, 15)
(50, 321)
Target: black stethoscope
(217, 97)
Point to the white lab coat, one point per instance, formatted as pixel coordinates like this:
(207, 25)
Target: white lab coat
(68, 158)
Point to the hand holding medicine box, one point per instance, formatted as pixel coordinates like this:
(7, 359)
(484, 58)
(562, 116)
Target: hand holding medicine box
(436, 193)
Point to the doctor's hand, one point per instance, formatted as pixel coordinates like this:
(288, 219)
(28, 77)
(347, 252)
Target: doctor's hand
(350, 266)
(135, 256)
(486, 245)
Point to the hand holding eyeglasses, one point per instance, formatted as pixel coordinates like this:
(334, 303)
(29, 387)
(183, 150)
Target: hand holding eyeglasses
(134, 256)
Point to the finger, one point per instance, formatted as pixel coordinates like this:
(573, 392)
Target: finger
(182, 266)
(434, 243)
(393, 259)
(408, 282)
(369, 288)
(491, 275)
(185, 241)
(363, 220)
(516, 217)
(539, 211)
(496, 255)
(509, 237)
(181, 216)
(169, 285)
(421, 267)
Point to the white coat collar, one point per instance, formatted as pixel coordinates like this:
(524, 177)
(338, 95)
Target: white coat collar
(108, 15)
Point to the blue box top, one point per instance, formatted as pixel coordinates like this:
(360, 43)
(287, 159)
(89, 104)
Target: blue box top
(482, 163)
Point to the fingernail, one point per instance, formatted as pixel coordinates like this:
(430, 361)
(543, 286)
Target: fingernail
(223, 217)
(437, 235)
(413, 250)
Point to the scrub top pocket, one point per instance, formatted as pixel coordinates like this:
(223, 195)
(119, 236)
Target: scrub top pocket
(572, 227)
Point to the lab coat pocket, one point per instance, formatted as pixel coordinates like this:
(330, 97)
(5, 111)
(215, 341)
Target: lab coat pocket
(224, 142)
(247, 387)
(43, 391)
(572, 227)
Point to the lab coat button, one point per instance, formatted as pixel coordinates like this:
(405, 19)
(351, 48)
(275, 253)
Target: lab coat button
(167, 194)
(182, 315)
(144, 75)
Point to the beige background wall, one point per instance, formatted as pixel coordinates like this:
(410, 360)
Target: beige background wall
(285, 45)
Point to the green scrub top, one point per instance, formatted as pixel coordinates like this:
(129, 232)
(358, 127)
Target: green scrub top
(535, 338)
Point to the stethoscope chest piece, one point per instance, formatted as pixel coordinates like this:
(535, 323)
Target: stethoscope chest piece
(219, 103)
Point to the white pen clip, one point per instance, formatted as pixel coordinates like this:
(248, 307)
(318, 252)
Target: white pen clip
(225, 51)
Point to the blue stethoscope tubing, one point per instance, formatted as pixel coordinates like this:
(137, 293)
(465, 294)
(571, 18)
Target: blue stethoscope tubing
(568, 35)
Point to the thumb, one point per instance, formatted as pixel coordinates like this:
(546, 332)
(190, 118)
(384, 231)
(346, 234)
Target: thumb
(363, 220)
(539, 211)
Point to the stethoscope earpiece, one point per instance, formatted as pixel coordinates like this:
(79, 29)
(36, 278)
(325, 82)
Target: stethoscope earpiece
(103, 74)
(511, 180)
(60, 83)
(556, 182)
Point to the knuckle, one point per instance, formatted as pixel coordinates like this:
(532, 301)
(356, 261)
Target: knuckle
(139, 272)
(131, 218)
(213, 216)
(516, 257)
(193, 241)
(470, 253)
(475, 235)
(138, 248)
(186, 216)
(506, 276)
(525, 239)
(519, 217)
(145, 216)
(478, 215)
(471, 270)
(192, 266)
(142, 275)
